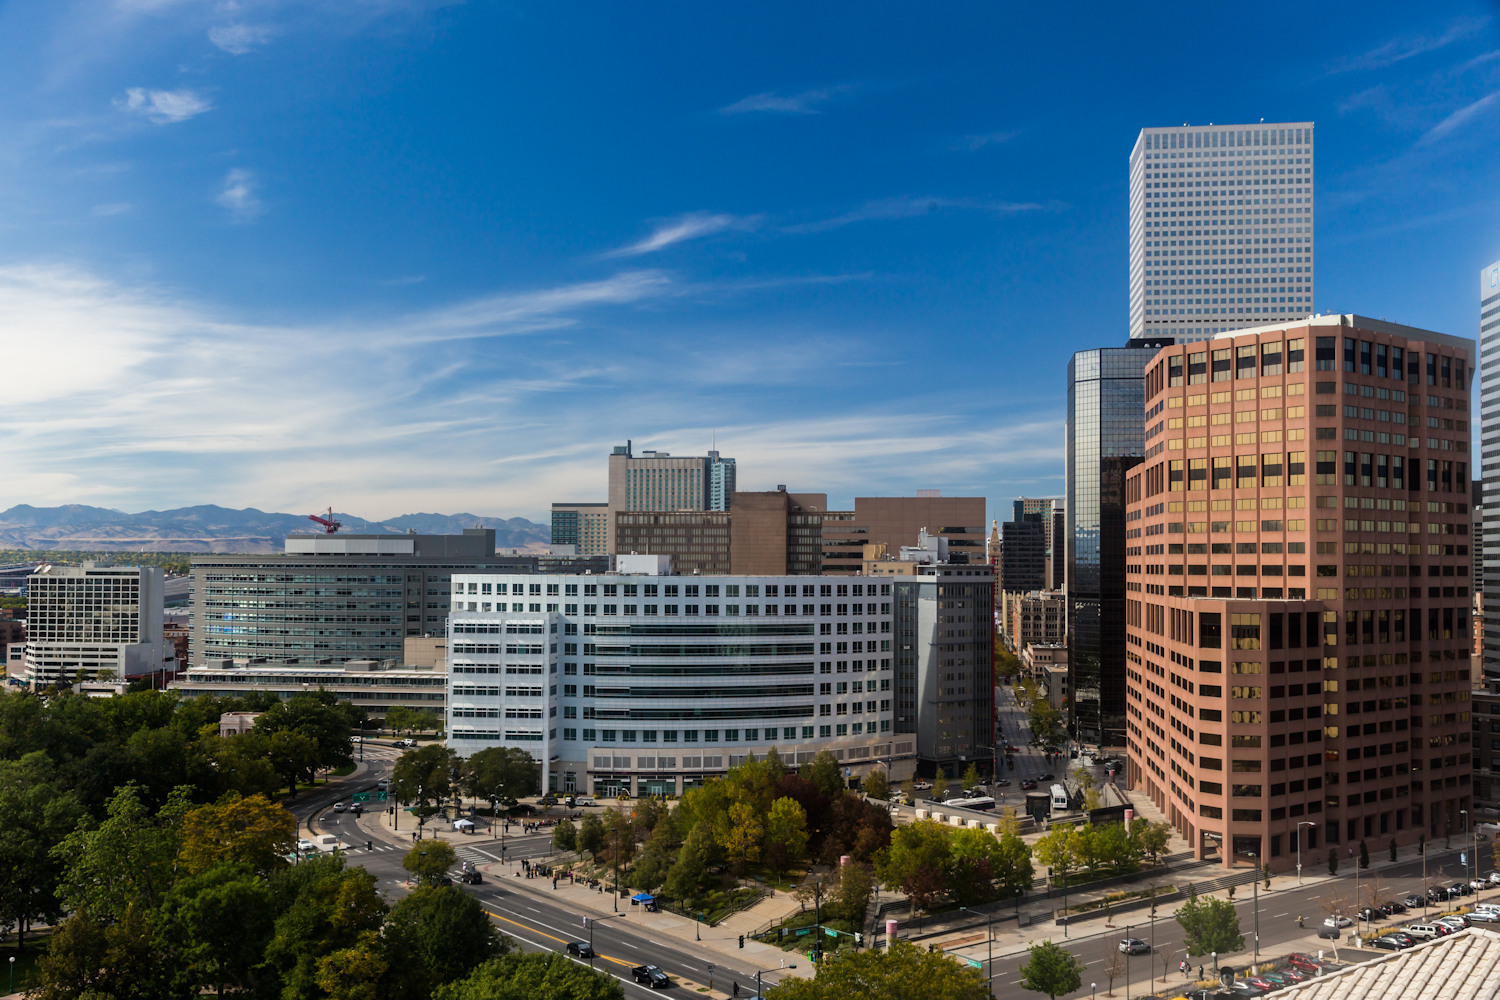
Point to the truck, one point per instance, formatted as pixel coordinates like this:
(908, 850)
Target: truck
(652, 976)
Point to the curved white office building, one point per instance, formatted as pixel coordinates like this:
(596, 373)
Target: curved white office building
(653, 683)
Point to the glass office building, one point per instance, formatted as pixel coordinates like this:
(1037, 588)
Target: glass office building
(1106, 438)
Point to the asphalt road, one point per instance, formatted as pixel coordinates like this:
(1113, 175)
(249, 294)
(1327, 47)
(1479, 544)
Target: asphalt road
(536, 922)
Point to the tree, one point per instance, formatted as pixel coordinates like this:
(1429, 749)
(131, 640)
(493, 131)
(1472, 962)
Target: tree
(1114, 968)
(786, 833)
(545, 976)
(293, 754)
(565, 836)
(972, 778)
(357, 972)
(902, 972)
(92, 957)
(591, 835)
(320, 715)
(878, 785)
(425, 775)
(324, 908)
(496, 773)
(1055, 849)
(1152, 837)
(685, 879)
(824, 773)
(35, 813)
(1209, 925)
(923, 844)
(428, 859)
(741, 834)
(1051, 970)
(1364, 855)
(656, 857)
(256, 831)
(214, 926)
(127, 862)
(851, 893)
(437, 935)
(1333, 861)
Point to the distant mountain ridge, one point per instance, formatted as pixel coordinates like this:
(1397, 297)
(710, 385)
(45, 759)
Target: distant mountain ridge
(209, 528)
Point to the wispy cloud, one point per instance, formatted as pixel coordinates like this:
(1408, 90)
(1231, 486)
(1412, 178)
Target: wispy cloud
(974, 143)
(1409, 46)
(804, 103)
(1458, 119)
(115, 208)
(693, 226)
(238, 195)
(908, 208)
(164, 107)
(237, 39)
(533, 311)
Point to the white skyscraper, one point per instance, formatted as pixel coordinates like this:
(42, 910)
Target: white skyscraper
(1221, 228)
(85, 621)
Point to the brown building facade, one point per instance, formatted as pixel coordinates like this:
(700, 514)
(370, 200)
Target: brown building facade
(1298, 589)
(897, 521)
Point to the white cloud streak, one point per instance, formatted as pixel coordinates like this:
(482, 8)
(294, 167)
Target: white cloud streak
(692, 226)
(804, 103)
(164, 107)
(1410, 46)
(238, 39)
(237, 196)
(909, 208)
(1458, 119)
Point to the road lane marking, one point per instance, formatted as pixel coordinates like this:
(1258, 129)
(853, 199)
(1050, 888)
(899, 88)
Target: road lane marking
(562, 941)
(1286, 914)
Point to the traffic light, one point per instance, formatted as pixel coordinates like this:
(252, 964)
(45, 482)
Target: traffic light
(742, 940)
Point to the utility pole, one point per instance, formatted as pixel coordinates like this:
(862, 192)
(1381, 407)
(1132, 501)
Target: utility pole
(989, 943)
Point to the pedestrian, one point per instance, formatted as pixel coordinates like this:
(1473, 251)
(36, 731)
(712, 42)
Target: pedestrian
(1299, 920)
(1200, 972)
(736, 990)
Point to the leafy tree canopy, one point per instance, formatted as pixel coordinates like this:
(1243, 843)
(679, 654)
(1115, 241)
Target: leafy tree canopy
(903, 972)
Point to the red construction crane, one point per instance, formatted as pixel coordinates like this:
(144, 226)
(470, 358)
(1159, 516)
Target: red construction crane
(330, 525)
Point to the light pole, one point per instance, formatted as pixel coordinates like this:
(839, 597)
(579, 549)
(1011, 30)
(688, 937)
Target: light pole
(12, 973)
(1128, 950)
(1465, 814)
(1299, 848)
(758, 990)
(1215, 956)
(362, 741)
(989, 946)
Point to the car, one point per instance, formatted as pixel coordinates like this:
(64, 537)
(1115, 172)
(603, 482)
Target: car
(652, 976)
(1338, 920)
(1412, 901)
(1460, 889)
(1294, 975)
(1392, 907)
(1245, 988)
(548, 800)
(1423, 932)
(1484, 915)
(524, 809)
(339, 807)
(1028, 785)
(1457, 921)
(1134, 946)
(580, 949)
(922, 786)
(1046, 777)
(1437, 894)
(304, 845)
(1401, 936)
(1479, 884)
(357, 810)
(1003, 783)
(1495, 878)
(443, 880)
(473, 877)
(1281, 979)
(1306, 963)
(356, 739)
(1368, 914)
(1389, 943)
(1263, 983)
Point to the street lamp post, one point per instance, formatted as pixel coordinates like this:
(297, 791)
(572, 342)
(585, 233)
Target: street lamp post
(989, 943)
(1215, 956)
(1299, 848)
(1465, 814)
(1127, 962)
(758, 990)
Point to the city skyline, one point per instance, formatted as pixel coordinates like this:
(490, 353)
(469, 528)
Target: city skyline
(421, 258)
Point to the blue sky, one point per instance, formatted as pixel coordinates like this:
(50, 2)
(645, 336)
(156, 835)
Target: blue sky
(395, 255)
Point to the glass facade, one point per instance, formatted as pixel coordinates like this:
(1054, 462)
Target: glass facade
(1489, 414)
(1106, 438)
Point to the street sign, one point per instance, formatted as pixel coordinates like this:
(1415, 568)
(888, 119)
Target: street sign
(380, 796)
(973, 964)
(830, 932)
(360, 797)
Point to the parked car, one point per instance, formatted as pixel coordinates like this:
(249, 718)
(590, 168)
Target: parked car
(1263, 983)
(922, 786)
(1479, 884)
(1412, 901)
(1460, 889)
(1495, 878)
(1437, 894)
(1456, 921)
(1003, 783)
(1306, 963)
(1368, 914)
(650, 975)
(1245, 988)
(1281, 979)
(304, 845)
(1134, 946)
(1402, 936)
(580, 949)
(1338, 921)
(1389, 943)
(1392, 907)
(1294, 975)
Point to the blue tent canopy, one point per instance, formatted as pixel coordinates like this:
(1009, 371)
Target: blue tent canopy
(643, 897)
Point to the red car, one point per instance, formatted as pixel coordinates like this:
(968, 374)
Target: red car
(1263, 984)
(1306, 963)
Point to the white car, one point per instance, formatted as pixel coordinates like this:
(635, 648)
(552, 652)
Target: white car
(1495, 878)
(1340, 921)
(304, 845)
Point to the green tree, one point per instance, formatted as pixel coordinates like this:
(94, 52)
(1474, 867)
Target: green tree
(565, 836)
(1209, 925)
(325, 908)
(35, 813)
(400, 719)
(902, 972)
(545, 976)
(1046, 723)
(851, 894)
(685, 879)
(256, 831)
(293, 755)
(127, 862)
(320, 715)
(1013, 871)
(916, 861)
(496, 773)
(214, 926)
(823, 771)
(1055, 849)
(741, 834)
(425, 775)
(355, 973)
(786, 834)
(437, 935)
(972, 777)
(656, 857)
(878, 785)
(1152, 837)
(429, 859)
(1051, 970)
(591, 835)
(1364, 855)
(92, 957)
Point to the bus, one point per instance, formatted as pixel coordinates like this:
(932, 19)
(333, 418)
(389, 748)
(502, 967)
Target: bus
(980, 803)
(1059, 798)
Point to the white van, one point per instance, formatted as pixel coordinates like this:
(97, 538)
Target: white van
(1422, 932)
(585, 800)
(383, 785)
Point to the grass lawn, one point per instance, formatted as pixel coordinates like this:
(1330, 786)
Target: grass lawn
(25, 962)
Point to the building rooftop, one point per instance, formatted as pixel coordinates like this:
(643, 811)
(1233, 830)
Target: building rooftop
(1464, 966)
(1351, 321)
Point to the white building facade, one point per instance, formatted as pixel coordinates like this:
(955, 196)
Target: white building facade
(651, 684)
(1221, 228)
(85, 621)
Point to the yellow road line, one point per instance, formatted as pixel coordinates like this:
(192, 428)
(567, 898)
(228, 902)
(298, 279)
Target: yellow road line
(617, 961)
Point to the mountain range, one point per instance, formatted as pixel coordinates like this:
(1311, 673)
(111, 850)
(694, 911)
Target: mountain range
(208, 528)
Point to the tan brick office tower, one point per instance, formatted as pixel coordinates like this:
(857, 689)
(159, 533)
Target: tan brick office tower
(1298, 590)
